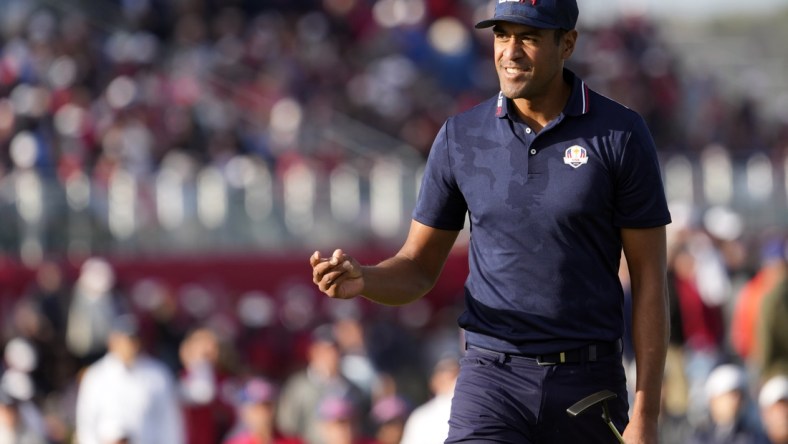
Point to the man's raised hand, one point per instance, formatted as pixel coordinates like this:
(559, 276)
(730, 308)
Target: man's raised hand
(338, 276)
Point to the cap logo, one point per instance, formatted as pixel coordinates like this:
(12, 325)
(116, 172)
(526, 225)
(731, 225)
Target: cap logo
(575, 156)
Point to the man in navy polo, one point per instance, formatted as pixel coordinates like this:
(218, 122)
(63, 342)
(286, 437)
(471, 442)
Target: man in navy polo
(556, 180)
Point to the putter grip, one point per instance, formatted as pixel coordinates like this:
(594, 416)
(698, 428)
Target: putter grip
(589, 401)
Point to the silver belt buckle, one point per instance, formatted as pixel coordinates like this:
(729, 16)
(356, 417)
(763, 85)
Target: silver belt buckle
(561, 358)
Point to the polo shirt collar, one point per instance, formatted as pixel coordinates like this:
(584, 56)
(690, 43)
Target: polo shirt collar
(577, 105)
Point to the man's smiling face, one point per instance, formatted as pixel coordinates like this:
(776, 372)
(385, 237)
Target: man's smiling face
(529, 60)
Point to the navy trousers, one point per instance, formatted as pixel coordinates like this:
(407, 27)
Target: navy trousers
(501, 398)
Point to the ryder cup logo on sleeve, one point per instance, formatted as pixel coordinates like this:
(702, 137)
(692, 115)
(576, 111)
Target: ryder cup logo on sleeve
(575, 156)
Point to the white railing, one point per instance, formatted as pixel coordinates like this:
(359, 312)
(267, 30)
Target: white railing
(244, 206)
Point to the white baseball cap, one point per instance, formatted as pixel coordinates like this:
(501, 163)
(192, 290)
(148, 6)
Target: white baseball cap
(725, 379)
(775, 389)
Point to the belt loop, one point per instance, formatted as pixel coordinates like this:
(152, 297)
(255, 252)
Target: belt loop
(592, 352)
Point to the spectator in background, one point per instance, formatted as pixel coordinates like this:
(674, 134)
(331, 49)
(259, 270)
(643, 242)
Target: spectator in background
(339, 422)
(303, 391)
(674, 428)
(355, 363)
(20, 360)
(389, 415)
(771, 272)
(127, 395)
(164, 325)
(14, 429)
(702, 325)
(93, 306)
(256, 413)
(264, 344)
(728, 421)
(49, 300)
(208, 417)
(773, 401)
(772, 332)
(50, 293)
(429, 423)
(675, 384)
(32, 349)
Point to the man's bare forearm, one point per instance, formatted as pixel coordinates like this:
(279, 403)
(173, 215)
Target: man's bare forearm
(650, 338)
(646, 258)
(396, 281)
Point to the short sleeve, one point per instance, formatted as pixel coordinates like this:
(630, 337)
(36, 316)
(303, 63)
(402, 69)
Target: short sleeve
(440, 203)
(640, 194)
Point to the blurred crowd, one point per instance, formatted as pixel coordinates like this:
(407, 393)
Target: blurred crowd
(91, 360)
(137, 85)
(725, 377)
(86, 360)
(143, 85)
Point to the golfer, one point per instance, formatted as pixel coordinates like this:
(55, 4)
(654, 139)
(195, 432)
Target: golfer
(556, 180)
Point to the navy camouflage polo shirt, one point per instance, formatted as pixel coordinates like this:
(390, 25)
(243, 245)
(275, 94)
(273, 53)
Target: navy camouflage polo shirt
(545, 213)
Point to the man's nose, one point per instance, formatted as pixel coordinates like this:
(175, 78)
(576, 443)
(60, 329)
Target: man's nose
(513, 49)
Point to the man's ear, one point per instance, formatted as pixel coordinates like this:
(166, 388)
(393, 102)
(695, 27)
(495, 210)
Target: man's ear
(568, 42)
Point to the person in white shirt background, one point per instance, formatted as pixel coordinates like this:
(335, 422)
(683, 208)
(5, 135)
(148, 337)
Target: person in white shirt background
(429, 423)
(127, 396)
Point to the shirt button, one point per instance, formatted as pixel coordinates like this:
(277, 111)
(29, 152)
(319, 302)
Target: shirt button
(528, 130)
(533, 150)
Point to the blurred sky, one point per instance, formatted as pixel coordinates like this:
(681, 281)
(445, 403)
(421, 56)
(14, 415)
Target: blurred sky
(593, 11)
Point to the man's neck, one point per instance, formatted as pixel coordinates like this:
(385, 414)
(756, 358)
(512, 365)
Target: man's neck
(537, 112)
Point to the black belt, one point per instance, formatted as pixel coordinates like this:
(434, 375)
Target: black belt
(587, 353)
